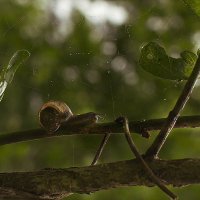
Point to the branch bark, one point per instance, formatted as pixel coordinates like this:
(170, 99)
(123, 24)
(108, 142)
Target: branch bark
(98, 128)
(59, 183)
(173, 115)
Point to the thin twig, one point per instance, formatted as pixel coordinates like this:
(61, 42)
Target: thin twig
(98, 128)
(155, 148)
(100, 149)
(147, 169)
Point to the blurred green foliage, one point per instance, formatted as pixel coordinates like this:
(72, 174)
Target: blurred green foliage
(93, 67)
(194, 5)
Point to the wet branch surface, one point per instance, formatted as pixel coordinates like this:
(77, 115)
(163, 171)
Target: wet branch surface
(99, 128)
(59, 183)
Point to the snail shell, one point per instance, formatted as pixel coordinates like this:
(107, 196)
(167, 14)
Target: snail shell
(52, 114)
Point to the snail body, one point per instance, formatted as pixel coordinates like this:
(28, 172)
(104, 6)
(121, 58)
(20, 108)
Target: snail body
(52, 114)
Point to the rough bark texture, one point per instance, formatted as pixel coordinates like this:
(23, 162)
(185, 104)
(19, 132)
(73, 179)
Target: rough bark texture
(59, 183)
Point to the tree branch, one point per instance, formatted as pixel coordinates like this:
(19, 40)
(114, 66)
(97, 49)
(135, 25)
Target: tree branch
(58, 183)
(144, 165)
(99, 128)
(156, 146)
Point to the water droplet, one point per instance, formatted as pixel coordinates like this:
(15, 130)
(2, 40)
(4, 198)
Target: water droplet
(150, 56)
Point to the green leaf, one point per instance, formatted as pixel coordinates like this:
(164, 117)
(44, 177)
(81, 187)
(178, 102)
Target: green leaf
(154, 60)
(8, 72)
(194, 5)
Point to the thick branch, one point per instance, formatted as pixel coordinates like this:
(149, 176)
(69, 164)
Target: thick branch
(99, 128)
(57, 183)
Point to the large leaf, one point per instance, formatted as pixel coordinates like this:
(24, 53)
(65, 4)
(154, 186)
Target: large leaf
(194, 5)
(154, 59)
(8, 72)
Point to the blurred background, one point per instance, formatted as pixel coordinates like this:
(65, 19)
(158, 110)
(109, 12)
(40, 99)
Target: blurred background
(85, 53)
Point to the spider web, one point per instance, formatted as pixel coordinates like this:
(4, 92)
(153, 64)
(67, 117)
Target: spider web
(100, 80)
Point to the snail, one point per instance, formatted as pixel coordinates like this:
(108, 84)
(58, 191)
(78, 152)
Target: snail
(52, 114)
(55, 113)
